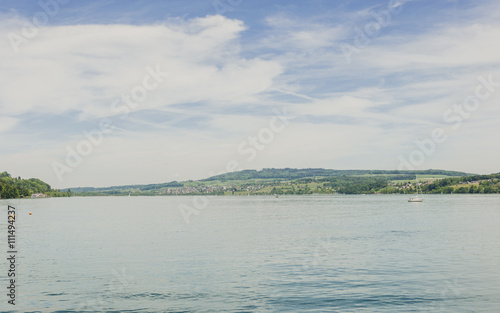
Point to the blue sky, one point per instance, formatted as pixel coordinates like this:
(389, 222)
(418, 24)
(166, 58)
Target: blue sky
(356, 84)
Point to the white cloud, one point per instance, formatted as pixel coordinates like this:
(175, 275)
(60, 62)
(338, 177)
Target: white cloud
(84, 67)
(447, 48)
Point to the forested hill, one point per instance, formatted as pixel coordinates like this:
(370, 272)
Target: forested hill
(282, 181)
(292, 173)
(16, 187)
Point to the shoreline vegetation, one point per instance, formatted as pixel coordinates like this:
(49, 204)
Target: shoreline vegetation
(16, 187)
(311, 181)
(276, 182)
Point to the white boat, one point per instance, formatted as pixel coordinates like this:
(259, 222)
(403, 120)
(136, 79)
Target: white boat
(416, 198)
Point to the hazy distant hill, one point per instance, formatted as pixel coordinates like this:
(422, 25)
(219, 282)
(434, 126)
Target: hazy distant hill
(292, 173)
(128, 187)
(262, 180)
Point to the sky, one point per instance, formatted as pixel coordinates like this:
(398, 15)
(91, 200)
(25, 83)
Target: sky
(104, 93)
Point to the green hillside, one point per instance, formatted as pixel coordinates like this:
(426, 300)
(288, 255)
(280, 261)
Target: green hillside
(468, 184)
(292, 173)
(285, 181)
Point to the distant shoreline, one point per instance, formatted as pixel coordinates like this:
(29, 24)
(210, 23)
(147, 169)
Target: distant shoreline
(278, 182)
(309, 181)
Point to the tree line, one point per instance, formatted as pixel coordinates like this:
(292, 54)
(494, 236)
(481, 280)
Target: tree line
(16, 187)
(474, 184)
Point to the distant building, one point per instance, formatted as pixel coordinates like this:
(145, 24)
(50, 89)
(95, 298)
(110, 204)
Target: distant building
(38, 195)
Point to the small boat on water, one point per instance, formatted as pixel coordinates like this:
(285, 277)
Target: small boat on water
(416, 198)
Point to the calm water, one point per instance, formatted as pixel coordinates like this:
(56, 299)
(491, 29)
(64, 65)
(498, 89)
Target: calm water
(374, 253)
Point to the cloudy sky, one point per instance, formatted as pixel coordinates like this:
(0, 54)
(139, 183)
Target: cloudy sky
(114, 92)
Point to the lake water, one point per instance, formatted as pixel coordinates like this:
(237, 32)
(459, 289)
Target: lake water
(373, 253)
